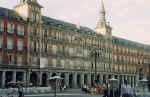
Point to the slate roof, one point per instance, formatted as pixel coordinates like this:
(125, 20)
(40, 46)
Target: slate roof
(69, 26)
(34, 3)
(126, 42)
(10, 14)
(66, 25)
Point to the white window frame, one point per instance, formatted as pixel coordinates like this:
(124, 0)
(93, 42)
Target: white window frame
(10, 59)
(19, 60)
(10, 28)
(20, 45)
(54, 61)
(10, 43)
(20, 30)
(1, 58)
(1, 26)
(1, 42)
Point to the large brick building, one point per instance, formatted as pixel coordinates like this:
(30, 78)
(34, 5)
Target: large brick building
(13, 46)
(74, 52)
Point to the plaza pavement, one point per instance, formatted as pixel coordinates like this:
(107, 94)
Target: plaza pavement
(76, 93)
(67, 93)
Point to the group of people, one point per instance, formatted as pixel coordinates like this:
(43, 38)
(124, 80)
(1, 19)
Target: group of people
(105, 89)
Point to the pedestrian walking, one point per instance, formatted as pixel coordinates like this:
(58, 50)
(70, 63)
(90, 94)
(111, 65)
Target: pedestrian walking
(105, 89)
(20, 91)
(126, 89)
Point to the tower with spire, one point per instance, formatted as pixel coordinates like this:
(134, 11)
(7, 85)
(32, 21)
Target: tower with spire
(102, 26)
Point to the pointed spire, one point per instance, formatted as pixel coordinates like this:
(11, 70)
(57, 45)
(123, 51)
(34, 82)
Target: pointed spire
(102, 20)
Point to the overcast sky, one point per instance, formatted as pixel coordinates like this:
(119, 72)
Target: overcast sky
(130, 19)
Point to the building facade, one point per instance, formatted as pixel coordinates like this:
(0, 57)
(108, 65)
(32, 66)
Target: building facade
(13, 47)
(78, 54)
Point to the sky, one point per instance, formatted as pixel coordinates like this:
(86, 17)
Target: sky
(130, 19)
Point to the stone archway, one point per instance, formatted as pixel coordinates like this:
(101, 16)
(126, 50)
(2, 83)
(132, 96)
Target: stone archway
(1, 79)
(9, 77)
(33, 79)
(85, 79)
(44, 80)
(78, 80)
(70, 80)
(92, 79)
(109, 76)
(104, 78)
(97, 78)
(53, 74)
(19, 76)
(63, 80)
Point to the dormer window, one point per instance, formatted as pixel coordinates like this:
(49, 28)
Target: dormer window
(34, 16)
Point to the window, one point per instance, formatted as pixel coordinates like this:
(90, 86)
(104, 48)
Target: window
(10, 28)
(1, 26)
(10, 59)
(46, 47)
(63, 35)
(0, 58)
(33, 31)
(54, 62)
(20, 45)
(54, 49)
(1, 42)
(34, 46)
(45, 33)
(34, 16)
(19, 60)
(71, 51)
(62, 63)
(10, 43)
(20, 30)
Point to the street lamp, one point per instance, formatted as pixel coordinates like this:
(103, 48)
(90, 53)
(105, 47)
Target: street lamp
(95, 53)
(143, 83)
(56, 78)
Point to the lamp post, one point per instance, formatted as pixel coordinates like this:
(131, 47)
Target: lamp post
(143, 83)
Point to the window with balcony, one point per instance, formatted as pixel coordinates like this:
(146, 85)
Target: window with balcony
(46, 47)
(1, 26)
(10, 28)
(20, 44)
(34, 16)
(33, 31)
(19, 60)
(1, 42)
(63, 36)
(10, 59)
(10, 43)
(71, 51)
(54, 62)
(0, 58)
(20, 30)
(34, 46)
(54, 49)
(62, 63)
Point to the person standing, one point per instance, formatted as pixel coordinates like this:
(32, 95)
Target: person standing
(20, 91)
(105, 89)
(126, 89)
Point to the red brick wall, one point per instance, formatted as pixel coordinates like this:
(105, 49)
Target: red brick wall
(5, 35)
